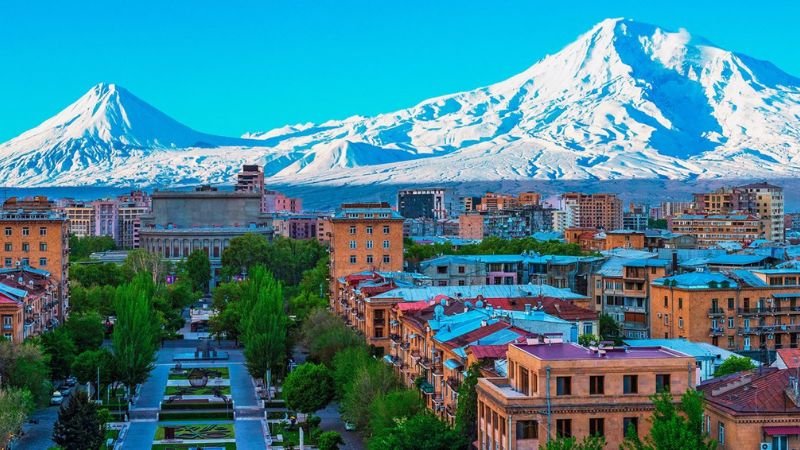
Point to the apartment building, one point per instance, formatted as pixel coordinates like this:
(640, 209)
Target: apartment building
(80, 219)
(763, 200)
(593, 210)
(757, 409)
(250, 179)
(426, 203)
(365, 237)
(130, 224)
(711, 229)
(565, 390)
(508, 223)
(296, 226)
(30, 303)
(744, 310)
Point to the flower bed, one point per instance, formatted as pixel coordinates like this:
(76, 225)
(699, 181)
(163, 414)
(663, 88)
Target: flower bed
(197, 432)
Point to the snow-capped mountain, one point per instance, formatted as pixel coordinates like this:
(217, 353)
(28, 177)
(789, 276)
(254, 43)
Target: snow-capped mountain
(625, 100)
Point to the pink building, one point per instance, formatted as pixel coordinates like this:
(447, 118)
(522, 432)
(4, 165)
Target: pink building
(274, 201)
(295, 226)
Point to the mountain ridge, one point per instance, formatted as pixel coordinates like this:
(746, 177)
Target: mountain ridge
(624, 100)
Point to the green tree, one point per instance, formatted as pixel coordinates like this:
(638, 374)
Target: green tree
(609, 328)
(264, 327)
(370, 382)
(325, 335)
(96, 274)
(78, 426)
(329, 440)
(136, 331)
(467, 408)
(15, 405)
(657, 223)
(385, 410)
(308, 388)
(570, 443)
(57, 344)
(587, 339)
(141, 261)
(25, 366)
(674, 427)
(86, 330)
(420, 432)
(346, 363)
(244, 252)
(198, 268)
(303, 303)
(81, 247)
(734, 364)
(226, 301)
(85, 366)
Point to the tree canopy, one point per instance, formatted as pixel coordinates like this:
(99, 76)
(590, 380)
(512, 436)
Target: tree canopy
(674, 427)
(15, 405)
(264, 327)
(734, 364)
(420, 432)
(79, 426)
(24, 366)
(308, 388)
(86, 330)
(136, 331)
(198, 269)
(81, 247)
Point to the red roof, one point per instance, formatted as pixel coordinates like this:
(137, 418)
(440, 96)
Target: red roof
(790, 357)
(478, 334)
(757, 391)
(563, 309)
(412, 306)
(8, 300)
(369, 291)
(489, 351)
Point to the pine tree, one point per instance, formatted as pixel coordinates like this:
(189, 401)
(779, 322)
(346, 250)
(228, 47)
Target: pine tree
(264, 325)
(136, 331)
(78, 426)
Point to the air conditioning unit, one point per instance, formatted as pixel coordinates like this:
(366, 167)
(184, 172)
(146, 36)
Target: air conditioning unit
(766, 446)
(659, 315)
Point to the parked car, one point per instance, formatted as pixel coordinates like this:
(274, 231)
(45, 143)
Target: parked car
(56, 398)
(350, 426)
(71, 381)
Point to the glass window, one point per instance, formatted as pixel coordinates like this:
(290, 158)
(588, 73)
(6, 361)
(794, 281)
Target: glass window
(7, 262)
(42, 262)
(369, 244)
(353, 244)
(563, 385)
(26, 247)
(352, 229)
(662, 383)
(386, 229)
(26, 231)
(385, 244)
(369, 230)
(8, 231)
(527, 429)
(42, 246)
(8, 246)
(564, 428)
(630, 384)
(780, 443)
(386, 259)
(596, 385)
(721, 434)
(42, 231)
(597, 426)
(369, 259)
(352, 259)
(630, 424)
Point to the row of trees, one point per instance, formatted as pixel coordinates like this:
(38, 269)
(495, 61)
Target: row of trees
(490, 246)
(287, 259)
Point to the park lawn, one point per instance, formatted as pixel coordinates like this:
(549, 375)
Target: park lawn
(290, 437)
(199, 431)
(191, 390)
(223, 371)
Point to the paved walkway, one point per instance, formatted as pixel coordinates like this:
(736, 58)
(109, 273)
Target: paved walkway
(39, 435)
(331, 421)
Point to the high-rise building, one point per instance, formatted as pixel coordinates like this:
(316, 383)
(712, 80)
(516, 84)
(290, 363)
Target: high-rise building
(710, 229)
(105, 218)
(365, 236)
(429, 203)
(80, 219)
(593, 210)
(761, 199)
(250, 179)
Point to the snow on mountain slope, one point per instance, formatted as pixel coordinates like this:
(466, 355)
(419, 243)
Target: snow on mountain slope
(625, 100)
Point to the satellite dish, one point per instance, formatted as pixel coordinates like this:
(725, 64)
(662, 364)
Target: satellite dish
(479, 304)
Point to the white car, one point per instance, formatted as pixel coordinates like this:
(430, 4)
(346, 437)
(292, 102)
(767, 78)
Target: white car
(56, 398)
(349, 426)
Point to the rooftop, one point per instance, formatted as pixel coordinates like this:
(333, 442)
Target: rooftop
(569, 352)
(700, 350)
(417, 293)
(759, 391)
(737, 260)
(696, 280)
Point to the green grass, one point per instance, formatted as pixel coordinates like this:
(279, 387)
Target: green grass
(190, 390)
(197, 432)
(223, 371)
(290, 437)
(194, 405)
(280, 414)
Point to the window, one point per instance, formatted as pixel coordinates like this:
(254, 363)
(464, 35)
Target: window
(8, 246)
(630, 384)
(596, 426)
(721, 433)
(26, 231)
(8, 231)
(587, 328)
(730, 322)
(596, 385)
(462, 283)
(730, 303)
(563, 386)
(386, 259)
(662, 383)
(524, 381)
(7, 262)
(378, 332)
(680, 322)
(25, 262)
(42, 246)
(26, 247)
(42, 262)
(461, 269)
(680, 303)
(385, 244)
(352, 229)
(666, 302)
(630, 423)
(42, 231)
(527, 429)
(386, 229)
(6, 322)
(564, 428)
(353, 245)
(369, 259)
(352, 259)
(369, 244)
(780, 442)
(369, 229)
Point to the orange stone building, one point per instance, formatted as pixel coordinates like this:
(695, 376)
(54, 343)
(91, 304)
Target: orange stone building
(753, 408)
(563, 389)
(365, 237)
(29, 303)
(593, 210)
(742, 310)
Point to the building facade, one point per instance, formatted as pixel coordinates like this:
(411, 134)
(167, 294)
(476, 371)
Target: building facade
(428, 203)
(710, 229)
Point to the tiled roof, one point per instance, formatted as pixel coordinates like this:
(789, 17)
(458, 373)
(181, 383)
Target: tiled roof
(762, 391)
(790, 357)
(8, 300)
(488, 351)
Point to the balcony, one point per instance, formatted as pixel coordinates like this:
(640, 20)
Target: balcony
(437, 370)
(425, 363)
(454, 383)
(437, 399)
(395, 338)
(360, 317)
(716, 312)
(450, 411)
(717, 332)
(426, 388)
(768, 329)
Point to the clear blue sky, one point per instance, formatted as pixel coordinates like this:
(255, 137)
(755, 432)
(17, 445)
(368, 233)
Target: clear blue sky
(236, 66)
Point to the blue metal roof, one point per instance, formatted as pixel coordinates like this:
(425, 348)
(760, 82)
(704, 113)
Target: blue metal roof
(696, 280)
(699, 350)
(749, 277)
(646, 263)
(737, 260)
(453, 364)
(419, 293)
